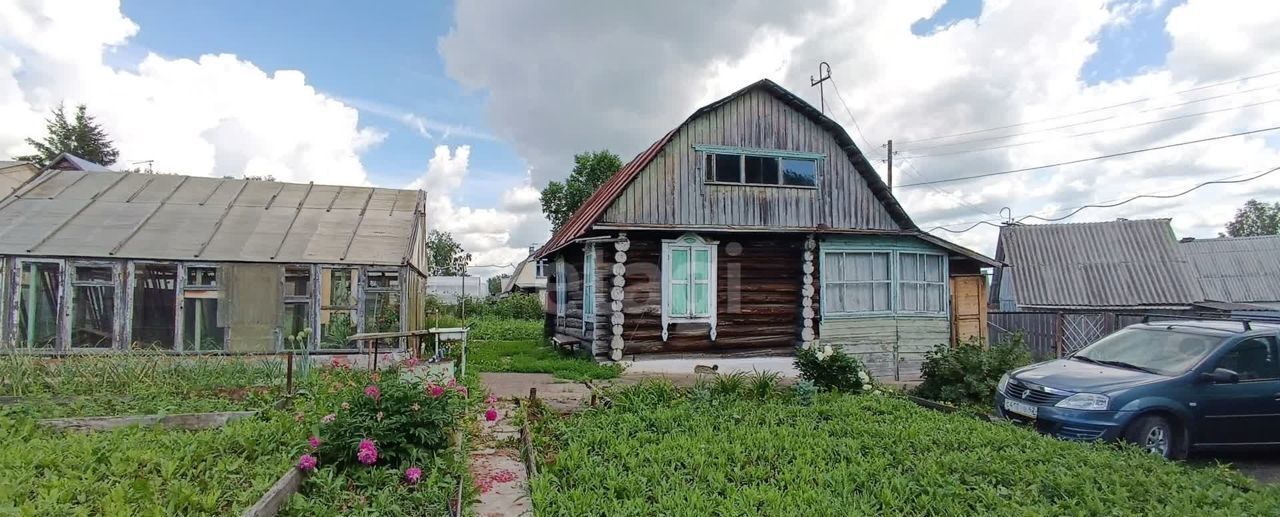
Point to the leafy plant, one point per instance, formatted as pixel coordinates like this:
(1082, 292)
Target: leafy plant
(728, 384)
(763, 385)
(853, 455)
(967, 373)
(829, 368)
(402, 419)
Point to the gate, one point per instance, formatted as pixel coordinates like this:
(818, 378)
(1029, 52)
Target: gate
(1082, 329)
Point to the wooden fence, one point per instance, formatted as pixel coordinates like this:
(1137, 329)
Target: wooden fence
(1055, 334)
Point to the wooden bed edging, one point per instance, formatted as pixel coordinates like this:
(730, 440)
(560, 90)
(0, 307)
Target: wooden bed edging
(185, 421)
(276, 497)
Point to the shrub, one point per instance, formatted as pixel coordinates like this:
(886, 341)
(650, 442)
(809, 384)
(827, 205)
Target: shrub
(831, 369)
(729, 384)
(493, 329)
(515, 306)
(402, 419)
(763, 385)
(967, 374)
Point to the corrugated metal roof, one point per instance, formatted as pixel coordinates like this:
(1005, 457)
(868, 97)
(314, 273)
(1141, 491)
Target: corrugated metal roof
(170, 217)
(1108, 264)
(1240, 269)
(75, 163)
(590, 211)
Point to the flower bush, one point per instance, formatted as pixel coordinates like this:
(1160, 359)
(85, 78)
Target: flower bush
(830, 369)
(392, 421)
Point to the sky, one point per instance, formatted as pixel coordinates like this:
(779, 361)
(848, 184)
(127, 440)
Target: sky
(481, 103)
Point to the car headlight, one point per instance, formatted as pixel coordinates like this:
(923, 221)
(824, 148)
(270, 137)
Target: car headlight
(1085, 401)
(1004, 383)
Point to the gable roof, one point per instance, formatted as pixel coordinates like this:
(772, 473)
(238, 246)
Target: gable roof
(71, 162)
(591, 210)
(1108, 264)
(171, 217)
(1239, 269)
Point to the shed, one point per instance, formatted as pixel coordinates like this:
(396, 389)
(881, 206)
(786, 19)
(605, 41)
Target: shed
(1122, 265)
(1240, 270)
(103, 260)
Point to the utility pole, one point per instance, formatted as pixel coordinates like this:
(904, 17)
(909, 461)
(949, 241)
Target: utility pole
(822, 99)
(889, 160)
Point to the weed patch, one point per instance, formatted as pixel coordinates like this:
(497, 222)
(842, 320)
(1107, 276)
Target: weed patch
(531, 356)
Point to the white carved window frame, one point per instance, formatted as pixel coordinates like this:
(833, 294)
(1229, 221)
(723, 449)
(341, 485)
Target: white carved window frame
(589, 288)
(690, 242)
(561, 289)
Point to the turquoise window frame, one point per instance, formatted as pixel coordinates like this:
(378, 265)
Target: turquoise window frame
(893, 246)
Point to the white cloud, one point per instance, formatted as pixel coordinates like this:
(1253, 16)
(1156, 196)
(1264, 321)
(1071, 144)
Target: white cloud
(495, 237)
(213, 115)
(563, 77)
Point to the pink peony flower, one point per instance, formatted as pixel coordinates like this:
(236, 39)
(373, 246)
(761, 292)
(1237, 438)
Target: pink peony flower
(366, 444)
(372, 392)
(329, 418)
(452, 383)
(411, 362)
(462, 390)
(436, 391)
(491, 414)
(412, 475)
(368, 456)
(314, 441)
(307, 463)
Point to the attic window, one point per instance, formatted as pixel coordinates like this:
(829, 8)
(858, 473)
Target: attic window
(732, 165)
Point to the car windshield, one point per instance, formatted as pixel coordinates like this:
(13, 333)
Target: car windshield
(1158, 351)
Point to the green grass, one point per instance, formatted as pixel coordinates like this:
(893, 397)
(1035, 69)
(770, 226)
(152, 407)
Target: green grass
(533, 356)
(658, 452)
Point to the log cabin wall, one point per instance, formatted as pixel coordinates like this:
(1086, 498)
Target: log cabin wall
(757, 298)
(672, 189)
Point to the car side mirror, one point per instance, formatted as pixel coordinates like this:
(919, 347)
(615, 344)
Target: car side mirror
(1221, 376)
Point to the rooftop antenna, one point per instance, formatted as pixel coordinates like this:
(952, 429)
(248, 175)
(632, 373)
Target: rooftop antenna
(148, 162)
(822, 99)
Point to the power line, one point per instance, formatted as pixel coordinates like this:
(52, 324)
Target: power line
(1093, 110)
(1091, 133)
(1082, 160)
(916, 173)
(1223, 181)
(850, 112)
(1103, 119)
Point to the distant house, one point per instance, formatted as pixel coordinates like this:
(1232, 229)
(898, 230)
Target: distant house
(14, 175)
(95, 260)
(754, 226)
(1121, 266)
(450, 289)
(1243, 271)
(530, 276)
(71, 162)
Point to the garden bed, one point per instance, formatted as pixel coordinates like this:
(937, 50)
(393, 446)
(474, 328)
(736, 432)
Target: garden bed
(659, 451)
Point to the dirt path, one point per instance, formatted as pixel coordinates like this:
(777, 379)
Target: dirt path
(496, 467)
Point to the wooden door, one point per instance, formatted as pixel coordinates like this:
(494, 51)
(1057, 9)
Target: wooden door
(968, 308)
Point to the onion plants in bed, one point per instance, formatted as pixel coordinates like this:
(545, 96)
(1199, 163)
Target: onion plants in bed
(137, 384)
(657, 451)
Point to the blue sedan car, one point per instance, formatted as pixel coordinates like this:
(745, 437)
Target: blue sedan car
(1169, 387)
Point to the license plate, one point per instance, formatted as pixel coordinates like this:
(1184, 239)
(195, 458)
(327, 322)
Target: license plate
(1020, 408)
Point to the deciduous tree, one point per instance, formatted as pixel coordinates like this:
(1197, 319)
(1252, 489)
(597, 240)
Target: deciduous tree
(1255, 218)
(590, 170)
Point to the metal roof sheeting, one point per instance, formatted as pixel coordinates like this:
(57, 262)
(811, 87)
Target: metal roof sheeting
(170, 217)
(1108, 264)
(1240, 269)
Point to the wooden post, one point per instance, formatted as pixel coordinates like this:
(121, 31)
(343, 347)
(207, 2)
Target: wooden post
(375, 354)
(533, 394)
(288, 382)
(1057, 333)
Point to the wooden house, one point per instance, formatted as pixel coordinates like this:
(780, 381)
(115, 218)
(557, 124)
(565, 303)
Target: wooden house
(755, 226)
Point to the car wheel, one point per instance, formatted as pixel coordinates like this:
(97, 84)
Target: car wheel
(1156, 435)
